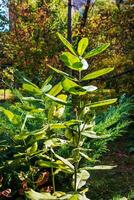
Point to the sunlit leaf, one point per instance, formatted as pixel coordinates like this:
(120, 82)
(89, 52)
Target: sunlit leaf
(65, 161)
(87, 157)
(33, 195)
(74, 197)
(63, 73)
(73, 88)
(100, 167)
(82, 177)
(102, 103)
(92, 134)
(71, 61)
(31, 88)
(56, 89)
(96, 74)
(66, 43)
(55, 99)
(31, 99)
(46, 88)
(96, 51)
(82, 45)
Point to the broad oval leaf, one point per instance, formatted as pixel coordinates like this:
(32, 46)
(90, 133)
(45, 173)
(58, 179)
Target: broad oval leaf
(98, 73)
(66, 43)
(97, 51)
(82, 45)
(71, 61)
(72, 87)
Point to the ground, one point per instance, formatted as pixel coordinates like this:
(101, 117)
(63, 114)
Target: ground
(119, 181)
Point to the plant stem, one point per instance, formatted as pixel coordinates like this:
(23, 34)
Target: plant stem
(52, 172)
(76, 166)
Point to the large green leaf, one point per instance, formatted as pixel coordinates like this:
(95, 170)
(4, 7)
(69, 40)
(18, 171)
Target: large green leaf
(102, 103)
(66, 43)
(59, 165)
(71, 61)
(33, 195)
(56, 89)
(13, 118)
(96, 51)
(63, 73)
(65, 124)
(87, 157)
(82, 177)
(57, 126)
(74, 197)
(73, 88)
(22, 136)
(48, 164)
(82, 45)
(31, 88)
(98, 73)
(46, 88)
(31, 99)
(100, 167)
(65, 161)
(57, 100)
(54, 142)
(92, 134)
